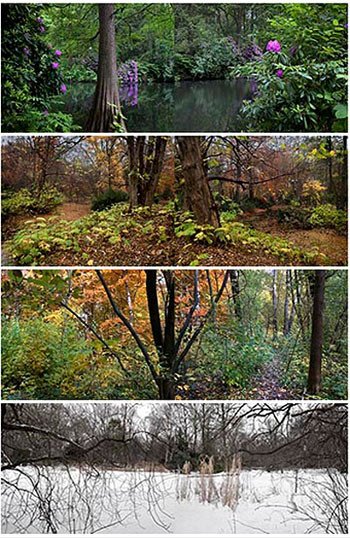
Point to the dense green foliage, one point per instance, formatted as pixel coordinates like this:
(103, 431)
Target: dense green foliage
(236, 360)
(329, 216)
(299, 83)
(45, 359)
(24, 201)
(233, 232)
(108, 198)
(302, 86)
(321, 216)
(146, 36)
(31, 76)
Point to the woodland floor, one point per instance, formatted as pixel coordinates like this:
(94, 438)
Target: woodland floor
(266, 385)
(330, 243)
(141, 248)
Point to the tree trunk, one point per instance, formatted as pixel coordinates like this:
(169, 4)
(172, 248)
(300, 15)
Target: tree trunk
(165, 345)
(106, 108)
(197, 191)
(342, 198)
(314, 378)
(156, 170)
(133, 175)
(146, 159)
(274, 304)
(234, 277)
(288, 315)
(330, 168)
(166, 389)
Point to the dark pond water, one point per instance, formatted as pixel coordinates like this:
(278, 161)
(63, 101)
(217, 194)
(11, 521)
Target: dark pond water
(187, 106)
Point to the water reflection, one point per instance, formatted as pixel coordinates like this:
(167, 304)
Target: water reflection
(186, 106)
(207, 106)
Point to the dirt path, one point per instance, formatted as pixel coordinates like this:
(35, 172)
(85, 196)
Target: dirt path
(332, 246)
(268, 384)
(71, 211)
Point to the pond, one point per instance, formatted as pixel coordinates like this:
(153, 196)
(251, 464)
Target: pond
(186, 106)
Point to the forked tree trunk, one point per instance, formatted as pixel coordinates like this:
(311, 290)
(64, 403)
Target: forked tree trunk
(156, 170)
(106, 105)
(197, 191)
(146, 159)
(314, 378)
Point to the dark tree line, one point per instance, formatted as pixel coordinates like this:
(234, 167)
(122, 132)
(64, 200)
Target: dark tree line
(266, 436)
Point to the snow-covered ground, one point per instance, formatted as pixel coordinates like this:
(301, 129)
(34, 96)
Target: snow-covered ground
(73, 500)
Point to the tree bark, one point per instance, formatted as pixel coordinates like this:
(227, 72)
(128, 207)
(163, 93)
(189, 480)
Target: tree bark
(314, 378)
(234, 277)
(133, 175)
(156, 170)
(106, 108)
(146, 159)
(342, 199)
(197, 191)
(274, 304)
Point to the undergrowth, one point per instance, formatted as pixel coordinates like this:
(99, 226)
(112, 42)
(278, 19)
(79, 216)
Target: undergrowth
(235, 359)
(237, 233)
(42, 237)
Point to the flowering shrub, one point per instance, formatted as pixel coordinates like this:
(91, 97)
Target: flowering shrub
(301, 78)
(273, 46)
(128, 79)
(31, 74)
(128, 73)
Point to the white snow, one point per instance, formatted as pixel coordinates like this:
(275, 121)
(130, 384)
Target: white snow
(73, 500)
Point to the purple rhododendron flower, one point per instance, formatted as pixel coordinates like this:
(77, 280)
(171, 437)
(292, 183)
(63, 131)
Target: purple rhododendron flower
(26, 51)
(55, 65)
(63, 88)
(39, 20)
(42, 29)
(58, 52)
(274, 46)
(280, 73)
(128, 73)
(46, 113)
(252, 52)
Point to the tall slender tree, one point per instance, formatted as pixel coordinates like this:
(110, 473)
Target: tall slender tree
(314, 378)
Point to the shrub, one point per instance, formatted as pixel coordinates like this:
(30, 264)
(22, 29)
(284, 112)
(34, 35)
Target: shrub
(26, 201)
(312, 192)
(328, 215)
(295, 216)
(237, 358)
(301, 78)
(44, 359)
(31, 73)
(107, 199)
